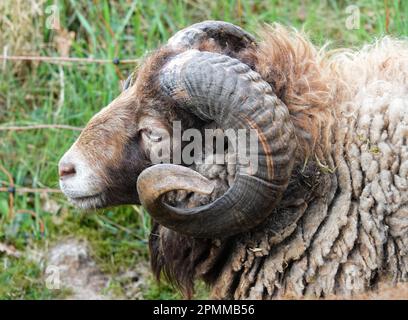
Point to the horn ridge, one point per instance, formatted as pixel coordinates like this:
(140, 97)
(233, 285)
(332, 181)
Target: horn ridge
(224, 33)
(222, 89)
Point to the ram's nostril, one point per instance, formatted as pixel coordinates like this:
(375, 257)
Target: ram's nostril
(66, 169)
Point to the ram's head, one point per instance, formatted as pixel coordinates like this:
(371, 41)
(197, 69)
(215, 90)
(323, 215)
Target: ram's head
(196, 80)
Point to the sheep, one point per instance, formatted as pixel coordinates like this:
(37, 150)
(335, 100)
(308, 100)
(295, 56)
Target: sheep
(325, 213)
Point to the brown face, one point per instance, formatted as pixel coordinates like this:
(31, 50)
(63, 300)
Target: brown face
(102, 166)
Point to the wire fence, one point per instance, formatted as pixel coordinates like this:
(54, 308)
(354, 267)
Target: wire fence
(115, 61)
(40, 126)
(11, 188)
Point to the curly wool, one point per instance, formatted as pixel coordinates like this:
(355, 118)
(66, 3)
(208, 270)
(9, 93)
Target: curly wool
(342, 226)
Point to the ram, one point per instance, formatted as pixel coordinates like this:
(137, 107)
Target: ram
(326, 210)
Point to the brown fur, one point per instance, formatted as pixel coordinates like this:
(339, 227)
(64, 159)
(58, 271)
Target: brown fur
(293, 67)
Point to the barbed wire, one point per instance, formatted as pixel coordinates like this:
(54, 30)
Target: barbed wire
(16, 189)
(12, 189)
(11, 194)
(40, 126)
(115, 61)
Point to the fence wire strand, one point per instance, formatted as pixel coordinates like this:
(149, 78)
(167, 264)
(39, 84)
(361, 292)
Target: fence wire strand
(115, 61)
(11, 188)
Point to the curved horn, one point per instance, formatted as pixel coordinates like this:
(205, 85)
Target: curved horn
(224, 33)
(157, 180)
(218, 88)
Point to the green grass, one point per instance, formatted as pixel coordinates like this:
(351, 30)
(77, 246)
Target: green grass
(21, 279)
(126, 29)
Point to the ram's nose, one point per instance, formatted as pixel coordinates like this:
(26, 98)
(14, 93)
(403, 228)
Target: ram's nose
(66, 170)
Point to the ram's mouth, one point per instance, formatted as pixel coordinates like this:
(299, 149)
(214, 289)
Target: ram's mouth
(95, 201)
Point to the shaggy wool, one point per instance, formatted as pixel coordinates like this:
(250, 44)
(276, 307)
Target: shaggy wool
(342, 225)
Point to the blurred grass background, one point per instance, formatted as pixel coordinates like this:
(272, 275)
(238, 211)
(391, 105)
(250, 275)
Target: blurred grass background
(44, 93)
